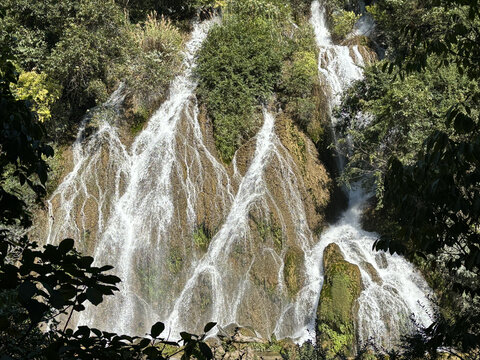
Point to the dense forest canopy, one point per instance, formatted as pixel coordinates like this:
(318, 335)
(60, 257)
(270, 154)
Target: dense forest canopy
(411, 133)
(420, 144)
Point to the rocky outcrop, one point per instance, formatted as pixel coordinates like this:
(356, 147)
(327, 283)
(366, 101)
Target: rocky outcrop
(336, 308)
(316, 180)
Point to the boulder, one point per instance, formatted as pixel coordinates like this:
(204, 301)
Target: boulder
(336, 312)
(370, 269)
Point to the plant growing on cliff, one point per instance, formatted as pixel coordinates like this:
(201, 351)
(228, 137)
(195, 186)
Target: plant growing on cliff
(151, 64)
(238, 66)
(202, 237)
(343, 22)
(386, 116)
(299, 85)
(42, 92)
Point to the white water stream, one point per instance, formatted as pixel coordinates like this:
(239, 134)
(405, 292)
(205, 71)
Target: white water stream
(139, 208)
(393, 290)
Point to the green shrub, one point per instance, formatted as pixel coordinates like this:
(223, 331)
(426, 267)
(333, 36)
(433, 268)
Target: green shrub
(302, 73)
(292, 270)
(202, 237)
(175, 260)
(89, 47)
(154, 58)
(41, 91)
(277, 10)
(298, 86)
(238, 67)
(343, 22)
(97, 90)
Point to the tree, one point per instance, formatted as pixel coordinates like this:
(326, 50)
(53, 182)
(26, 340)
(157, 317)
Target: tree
(435, 200)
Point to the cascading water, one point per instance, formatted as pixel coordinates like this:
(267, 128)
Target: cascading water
(140, 209)
(393, 290)
(150, 209)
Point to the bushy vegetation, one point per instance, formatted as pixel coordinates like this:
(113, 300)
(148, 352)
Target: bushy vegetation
(40, 91)
(298, 88)
(238, 67)
(419, 138)
(202, 237)
(154, 58)
(342, 16)
(343, 22)
(80, 51)
(255, 52)
(387, 116)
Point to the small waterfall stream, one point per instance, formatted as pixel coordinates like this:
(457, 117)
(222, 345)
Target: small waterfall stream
(140, 208)
(393, 290)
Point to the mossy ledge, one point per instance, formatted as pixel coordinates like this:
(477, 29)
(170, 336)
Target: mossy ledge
(337, 305)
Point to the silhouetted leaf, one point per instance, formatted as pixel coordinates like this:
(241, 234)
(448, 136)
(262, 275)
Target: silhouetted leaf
(157, 329)
(206, 351)
(56, 299)
(94, 296)
(209, 327)
(144, 342)
(186, 336)
(26, 291)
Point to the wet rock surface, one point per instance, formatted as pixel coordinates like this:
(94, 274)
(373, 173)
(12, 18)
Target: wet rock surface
(336, 309)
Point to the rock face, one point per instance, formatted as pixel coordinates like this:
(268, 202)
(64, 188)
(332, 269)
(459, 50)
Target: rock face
(208, 241)
(336, 308)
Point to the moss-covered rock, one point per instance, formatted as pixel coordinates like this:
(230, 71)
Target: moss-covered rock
(293, 270)
(315, 177)
(336, 308)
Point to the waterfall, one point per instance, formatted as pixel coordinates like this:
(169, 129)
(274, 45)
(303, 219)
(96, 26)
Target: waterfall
(393, 290)
(139, 207)
(195, 240)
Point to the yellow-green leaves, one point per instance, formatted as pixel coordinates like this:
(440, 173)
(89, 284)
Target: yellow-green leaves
(343, 22)
(40, 90)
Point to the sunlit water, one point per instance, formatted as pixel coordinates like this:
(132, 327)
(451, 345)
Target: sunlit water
(138, 207)
(394, 291)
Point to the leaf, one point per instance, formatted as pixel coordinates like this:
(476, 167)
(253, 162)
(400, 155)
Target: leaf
(209, 327)
(85, 262)
(83, 331)
(157, 329)
(26, 291)
(36, 310)
(151, 352)
(144, 343)
(105, 268)
(94, 296)
(79, 307)
(97, 332)
(206, 351)
(56, 299)
(186, 336)
(66, 245)
(463, 123)
(110, 279)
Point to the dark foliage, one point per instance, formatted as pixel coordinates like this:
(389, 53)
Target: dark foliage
(435, 200)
